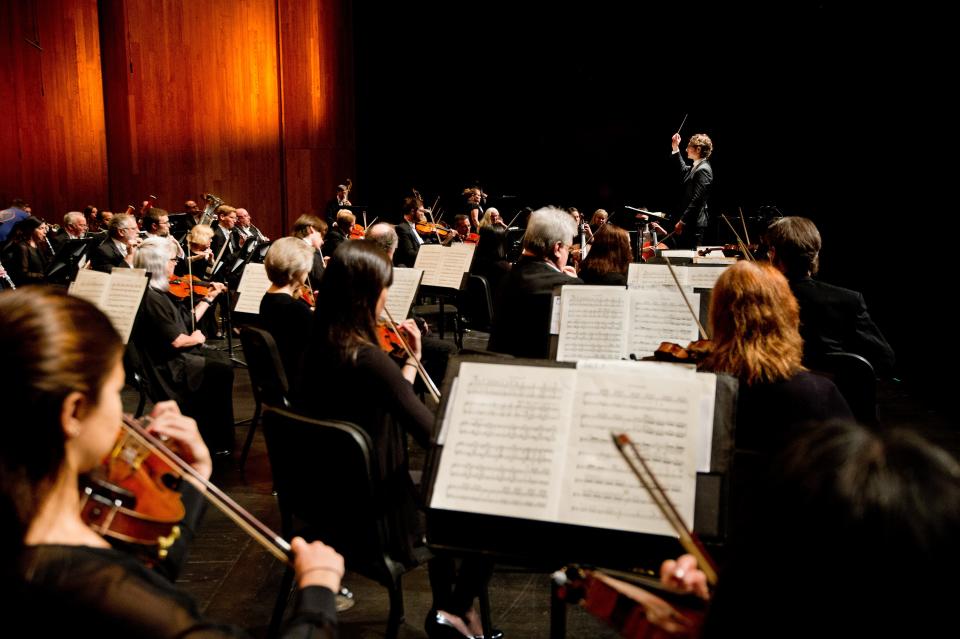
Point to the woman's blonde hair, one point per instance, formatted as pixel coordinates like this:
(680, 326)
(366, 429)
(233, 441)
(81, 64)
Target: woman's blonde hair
(756, 322)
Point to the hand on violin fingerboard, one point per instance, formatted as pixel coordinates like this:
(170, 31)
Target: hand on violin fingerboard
(683, 574)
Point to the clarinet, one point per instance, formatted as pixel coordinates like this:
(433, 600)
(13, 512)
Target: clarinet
(6, 278)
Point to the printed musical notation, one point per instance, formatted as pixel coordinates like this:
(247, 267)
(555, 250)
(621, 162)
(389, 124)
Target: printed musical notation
(534, 442)
(444, 266)
(660, 316)
(117, 294)
(402, 292)
(253, 286)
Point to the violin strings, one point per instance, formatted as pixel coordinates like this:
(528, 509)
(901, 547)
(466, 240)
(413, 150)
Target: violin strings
(275, 544)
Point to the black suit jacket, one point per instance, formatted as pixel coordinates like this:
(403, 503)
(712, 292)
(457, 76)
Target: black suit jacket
(834, 320)
(696, 188)
(407, 246)
(332, 240)
(218, 241)
(521, 320)
(106, 256)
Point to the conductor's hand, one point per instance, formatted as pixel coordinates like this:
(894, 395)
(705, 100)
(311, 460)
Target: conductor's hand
(675, 141)
(316, 564)
(684, 575)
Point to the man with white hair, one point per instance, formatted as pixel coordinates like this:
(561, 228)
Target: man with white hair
(74, 228)
(521, 321)
(245, 228)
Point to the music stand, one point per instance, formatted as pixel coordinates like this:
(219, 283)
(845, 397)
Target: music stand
(63, 269)
(180, 224)
(642, 220)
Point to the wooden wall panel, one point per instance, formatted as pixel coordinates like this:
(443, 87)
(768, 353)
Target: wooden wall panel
(52, 129)
(192, 99)
(318, 101)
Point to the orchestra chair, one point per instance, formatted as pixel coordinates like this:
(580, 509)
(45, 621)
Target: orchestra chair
(327, 486)
(136, 375)
(855, 379)
(477, 302)
(442, 310)
(267, 378)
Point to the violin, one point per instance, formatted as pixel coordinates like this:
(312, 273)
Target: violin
(390, 342)
(471, 238)
(694, 353)
(305, 293)
(653, 611)
(133, 498)
(433, 229)
(357, 232)
(181, 285)
(729, 250)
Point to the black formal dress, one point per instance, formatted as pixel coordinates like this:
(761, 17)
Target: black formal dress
(26, 264)
(834, 320)
(392, 412)
(693, 204)
(521, 321)
(290, 322)
(64, 589)
(199, 379)
(494, 271)
(332, 240)
(408, 245)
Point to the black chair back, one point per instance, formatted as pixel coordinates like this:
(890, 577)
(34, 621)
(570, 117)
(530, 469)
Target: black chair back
(856, 381)
(267, 376)
(477, 303)
(328, 488)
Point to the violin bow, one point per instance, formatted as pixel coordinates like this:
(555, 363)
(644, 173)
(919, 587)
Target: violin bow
(514, 219)
(686, 300)
(275, 544)
(193, 311)
(743, 221)
(688, 539)
(743, 247)
(420, 369)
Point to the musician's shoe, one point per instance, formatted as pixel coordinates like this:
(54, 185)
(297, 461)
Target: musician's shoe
(439, 626)
(496, 634)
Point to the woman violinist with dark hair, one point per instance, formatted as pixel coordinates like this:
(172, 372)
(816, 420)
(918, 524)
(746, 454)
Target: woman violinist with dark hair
(608, 259)
(63, 415)
(346, 361)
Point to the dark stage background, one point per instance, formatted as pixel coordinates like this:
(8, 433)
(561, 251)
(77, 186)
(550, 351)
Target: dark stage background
(835, 114)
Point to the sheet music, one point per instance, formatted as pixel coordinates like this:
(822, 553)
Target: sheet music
(709, 259)
(122, 299)
(253, 286)
(661, 415)
(659, 316)
(704, 276)
(505, 441)
(444, 266)
(679, 253)
(401, 293)
(655, 276)
(90, 285)
(593, 323)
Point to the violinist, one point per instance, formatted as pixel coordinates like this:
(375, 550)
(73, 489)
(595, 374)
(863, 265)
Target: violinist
(200, 380)
(609, 258)
(491, 217)
(842, 504)
(283, 312)
(460, 231)
(345, 358)
(597, 220)
(310, 229)
(338, 232)
(64, 412)
(832, 319)
(408, 240)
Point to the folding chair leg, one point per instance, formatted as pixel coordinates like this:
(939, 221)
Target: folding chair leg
(249, 440)
(485, 618)
(283, 598)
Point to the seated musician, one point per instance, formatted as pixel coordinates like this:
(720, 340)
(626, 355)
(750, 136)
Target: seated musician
(338, 232)
(283, 312)
(756, 339)
(200, 380)
(311, 229)
(27, 254)
(598, 219)
(521, 323)
(491, 217)
(859, 528)
(120, 245)
(198, 250)
(345, 360)
(74, 228)
(609, 257)
(64, 412)
(832, 319)
(490, 258)
(409, 241)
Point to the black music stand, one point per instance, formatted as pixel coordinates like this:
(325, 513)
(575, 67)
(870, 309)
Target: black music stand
(180, 225)
(66, 262)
